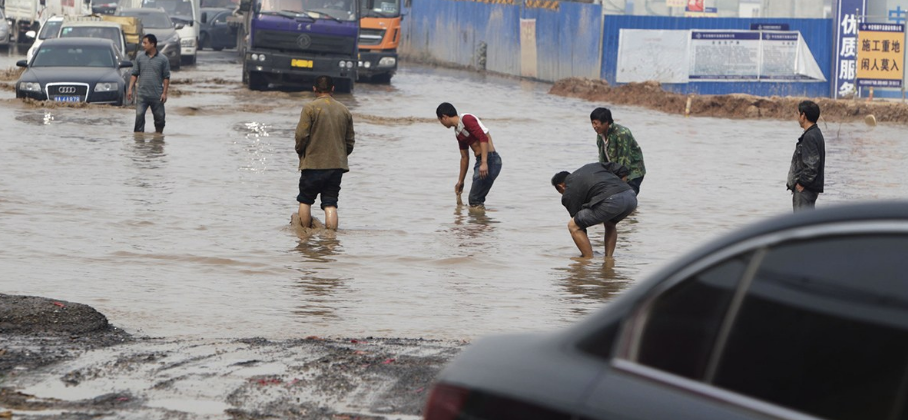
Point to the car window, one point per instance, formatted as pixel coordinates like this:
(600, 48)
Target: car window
(50, 29)
(684, 321)
(222, 18)
(66, 56)
(823, 329)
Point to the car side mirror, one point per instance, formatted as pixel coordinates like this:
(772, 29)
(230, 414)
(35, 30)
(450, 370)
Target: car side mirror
(178, 26)
(22, 63)
(125, 64)
(31, 34)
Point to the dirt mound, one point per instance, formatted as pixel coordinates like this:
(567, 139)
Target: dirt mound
(36, 315)
(737, 106)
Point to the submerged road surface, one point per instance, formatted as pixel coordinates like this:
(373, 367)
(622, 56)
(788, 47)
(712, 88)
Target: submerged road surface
(187, 235)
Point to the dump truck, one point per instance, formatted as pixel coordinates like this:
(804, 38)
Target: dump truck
(379, 36)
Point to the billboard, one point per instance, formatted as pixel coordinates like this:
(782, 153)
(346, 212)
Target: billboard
(881, 55)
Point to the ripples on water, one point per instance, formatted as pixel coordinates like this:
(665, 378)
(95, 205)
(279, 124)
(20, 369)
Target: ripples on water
(187, 233)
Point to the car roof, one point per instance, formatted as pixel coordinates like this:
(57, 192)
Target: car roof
(92, 24)
(142, 10)
(78, 42)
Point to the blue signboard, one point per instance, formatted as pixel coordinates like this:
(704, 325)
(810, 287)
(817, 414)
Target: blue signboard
(845, 70)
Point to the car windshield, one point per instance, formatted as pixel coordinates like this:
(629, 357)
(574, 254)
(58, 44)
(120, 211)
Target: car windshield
(381, 8)
(343, 10)
(91, 32)
(73, 56)
(174, 8)
(50, 29)
(153, 20)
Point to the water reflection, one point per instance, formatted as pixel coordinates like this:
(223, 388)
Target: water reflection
(589, 282)
(148, 147)
(319, 291)
(473, 227)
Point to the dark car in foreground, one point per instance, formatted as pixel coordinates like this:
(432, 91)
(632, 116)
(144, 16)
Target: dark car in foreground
(801, 317)
(75, 70)
(216, 33)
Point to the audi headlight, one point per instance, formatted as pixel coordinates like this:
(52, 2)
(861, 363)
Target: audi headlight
(387, 62)
(106, 87)
(30, 86)
(173, 38)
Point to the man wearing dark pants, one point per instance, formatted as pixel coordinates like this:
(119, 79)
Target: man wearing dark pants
(596, 193)
(152, 70)
(805, 176)
(324, 139)
(473, 136)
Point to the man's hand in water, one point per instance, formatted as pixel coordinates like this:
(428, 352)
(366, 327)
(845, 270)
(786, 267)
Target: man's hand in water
(458, 188)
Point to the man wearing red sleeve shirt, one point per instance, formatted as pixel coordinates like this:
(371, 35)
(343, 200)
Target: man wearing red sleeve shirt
(472, 134)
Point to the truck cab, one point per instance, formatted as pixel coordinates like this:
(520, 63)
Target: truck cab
(379, 36)
(291, 42)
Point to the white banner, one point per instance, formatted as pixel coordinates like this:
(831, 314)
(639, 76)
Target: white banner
(673, 56)
(659, 55)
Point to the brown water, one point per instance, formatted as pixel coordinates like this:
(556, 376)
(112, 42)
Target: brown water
(187, 235)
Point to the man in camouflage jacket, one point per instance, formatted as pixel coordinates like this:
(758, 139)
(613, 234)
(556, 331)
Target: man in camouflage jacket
(616, 144)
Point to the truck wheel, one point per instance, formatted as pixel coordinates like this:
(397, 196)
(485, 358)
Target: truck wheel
(256, 81)
(382, 79)
(344, 86)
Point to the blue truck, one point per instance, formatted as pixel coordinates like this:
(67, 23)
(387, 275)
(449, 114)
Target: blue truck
(291, 42)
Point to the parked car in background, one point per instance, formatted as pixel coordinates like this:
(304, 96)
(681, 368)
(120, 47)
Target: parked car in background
(95, 29)
(801, 317)
(156, 21)
(216, 33)
(49, 30)
(185, 16)
(75, 70)
(6, 34)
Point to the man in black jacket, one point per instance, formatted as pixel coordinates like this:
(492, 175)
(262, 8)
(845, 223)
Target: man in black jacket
(595, 193)
(805, 177)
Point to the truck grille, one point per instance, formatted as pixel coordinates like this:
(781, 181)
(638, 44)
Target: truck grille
(316, 44)
(371, 36)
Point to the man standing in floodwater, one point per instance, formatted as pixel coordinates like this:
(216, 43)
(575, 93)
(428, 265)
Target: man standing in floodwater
(152, 70)
(617, 144)
(472, 134)
(596, 193)
(324, 139)
(805, 176)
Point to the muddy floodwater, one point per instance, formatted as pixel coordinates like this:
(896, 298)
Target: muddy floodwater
(187, 235)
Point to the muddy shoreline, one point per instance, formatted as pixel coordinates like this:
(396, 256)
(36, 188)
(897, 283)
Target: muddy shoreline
(651, 95)
(62, 359)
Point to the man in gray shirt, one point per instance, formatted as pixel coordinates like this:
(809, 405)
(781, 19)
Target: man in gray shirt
(152, 70)
(596, 193)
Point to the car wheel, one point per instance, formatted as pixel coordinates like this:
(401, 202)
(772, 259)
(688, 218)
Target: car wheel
(204, 41)
(176, 65)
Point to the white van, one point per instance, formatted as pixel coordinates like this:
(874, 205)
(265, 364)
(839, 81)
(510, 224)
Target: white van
(185, 16)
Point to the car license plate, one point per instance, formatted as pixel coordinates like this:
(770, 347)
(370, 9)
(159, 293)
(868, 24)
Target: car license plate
(67, 99)
(306, 64)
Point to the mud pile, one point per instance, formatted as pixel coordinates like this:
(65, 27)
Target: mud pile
(735, 106)
(58, 356)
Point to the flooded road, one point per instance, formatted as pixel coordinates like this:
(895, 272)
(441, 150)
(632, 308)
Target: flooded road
(187, 235)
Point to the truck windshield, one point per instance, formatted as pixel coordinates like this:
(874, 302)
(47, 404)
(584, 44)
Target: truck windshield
(381, 8)
(342, 10)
